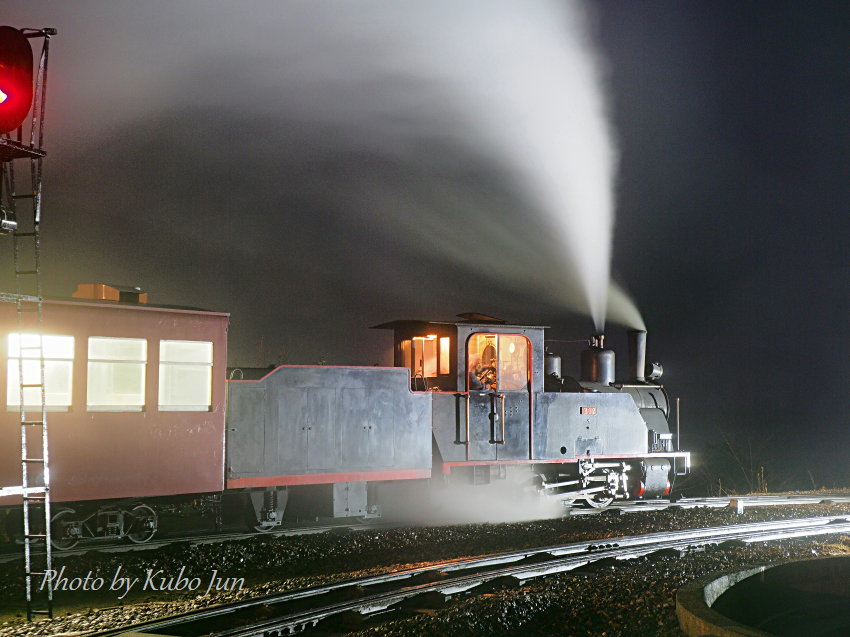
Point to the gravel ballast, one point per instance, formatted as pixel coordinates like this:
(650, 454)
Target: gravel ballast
(635, 597)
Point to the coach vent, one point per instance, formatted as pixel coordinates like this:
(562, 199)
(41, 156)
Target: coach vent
(104, 292)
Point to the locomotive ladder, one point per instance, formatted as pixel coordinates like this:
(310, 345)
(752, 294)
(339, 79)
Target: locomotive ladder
(21, 217)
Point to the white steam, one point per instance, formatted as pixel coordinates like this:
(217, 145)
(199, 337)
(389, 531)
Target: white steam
(498, 502)
(515, 85)
(473, 132)
(622, 309)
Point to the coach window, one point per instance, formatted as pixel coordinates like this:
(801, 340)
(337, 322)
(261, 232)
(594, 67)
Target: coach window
(116, 374)
(58, 352)
(185, 375)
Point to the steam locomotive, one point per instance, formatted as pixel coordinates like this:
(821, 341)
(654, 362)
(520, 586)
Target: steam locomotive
(142, 415)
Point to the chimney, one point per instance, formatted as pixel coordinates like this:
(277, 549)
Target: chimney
(637, 355)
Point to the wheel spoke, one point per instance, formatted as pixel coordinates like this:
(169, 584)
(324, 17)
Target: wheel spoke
(60, 539)
(143, 524)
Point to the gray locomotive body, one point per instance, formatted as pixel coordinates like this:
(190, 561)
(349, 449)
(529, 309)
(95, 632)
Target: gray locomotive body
(470, 401)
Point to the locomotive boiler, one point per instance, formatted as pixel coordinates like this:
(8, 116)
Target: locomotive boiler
(142, 416)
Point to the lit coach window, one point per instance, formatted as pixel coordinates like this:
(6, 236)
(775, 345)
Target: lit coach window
(185, 375)
(116, 379)
(58, 368)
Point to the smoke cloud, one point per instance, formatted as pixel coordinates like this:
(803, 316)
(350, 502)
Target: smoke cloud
(415, 158)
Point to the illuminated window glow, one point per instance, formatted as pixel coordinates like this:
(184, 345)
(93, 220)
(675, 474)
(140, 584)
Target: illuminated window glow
(58, 370)
(497, 362)
(116, 377)
(445, 353)
(185, 375)
(427, 357)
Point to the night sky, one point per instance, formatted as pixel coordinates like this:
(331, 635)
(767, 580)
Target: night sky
(318, 168)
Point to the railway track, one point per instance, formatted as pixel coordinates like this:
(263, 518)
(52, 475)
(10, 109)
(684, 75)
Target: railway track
(286, 613)
(9, 552)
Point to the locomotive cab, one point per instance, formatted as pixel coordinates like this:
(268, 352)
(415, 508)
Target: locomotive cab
(480, 353)
(500, 404)
(482, 375)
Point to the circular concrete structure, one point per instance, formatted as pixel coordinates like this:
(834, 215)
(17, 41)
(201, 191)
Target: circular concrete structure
(807, 597)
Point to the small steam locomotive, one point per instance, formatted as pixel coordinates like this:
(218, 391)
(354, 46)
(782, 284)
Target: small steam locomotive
(142, 415)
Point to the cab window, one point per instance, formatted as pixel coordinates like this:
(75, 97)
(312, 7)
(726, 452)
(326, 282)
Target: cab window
(426, 357)
(497, 362)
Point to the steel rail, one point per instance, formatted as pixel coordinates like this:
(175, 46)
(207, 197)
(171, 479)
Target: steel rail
(561, 558)
(764, 500)
(118, 546)
(521, 574)
(630, 506)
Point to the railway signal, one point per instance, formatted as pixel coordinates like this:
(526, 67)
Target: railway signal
(22, 95)
(16, 78)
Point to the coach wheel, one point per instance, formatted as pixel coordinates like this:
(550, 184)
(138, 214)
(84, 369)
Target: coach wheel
(143, 524)
(598, 501)
(64, 530)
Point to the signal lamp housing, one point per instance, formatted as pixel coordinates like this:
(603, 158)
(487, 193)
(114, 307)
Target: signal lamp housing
(16, 78)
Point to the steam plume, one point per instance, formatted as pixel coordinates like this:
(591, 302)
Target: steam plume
(429, 90)
(622, 309)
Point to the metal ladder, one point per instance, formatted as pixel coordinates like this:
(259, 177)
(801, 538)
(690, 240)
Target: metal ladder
(24, 226)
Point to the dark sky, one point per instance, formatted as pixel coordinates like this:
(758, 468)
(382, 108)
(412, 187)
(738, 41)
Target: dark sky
(317, 168)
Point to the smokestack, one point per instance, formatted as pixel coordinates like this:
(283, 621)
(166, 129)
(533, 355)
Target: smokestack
(637, 355)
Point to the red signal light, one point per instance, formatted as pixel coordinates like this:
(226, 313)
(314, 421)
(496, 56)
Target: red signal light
(16, 78)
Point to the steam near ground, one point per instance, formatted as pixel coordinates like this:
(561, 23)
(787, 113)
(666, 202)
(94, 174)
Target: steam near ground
(430, 503)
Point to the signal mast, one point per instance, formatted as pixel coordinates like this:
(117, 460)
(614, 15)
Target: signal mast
(22, 100)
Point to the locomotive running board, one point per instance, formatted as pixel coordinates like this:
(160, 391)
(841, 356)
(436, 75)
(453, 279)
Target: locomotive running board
(447, 467)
